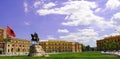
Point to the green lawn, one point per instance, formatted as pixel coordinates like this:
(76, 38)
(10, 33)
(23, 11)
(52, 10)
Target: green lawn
(84, 55)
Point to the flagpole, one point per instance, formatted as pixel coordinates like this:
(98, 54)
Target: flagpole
(9, 33)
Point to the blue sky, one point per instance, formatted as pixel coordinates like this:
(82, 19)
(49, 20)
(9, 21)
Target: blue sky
(84, 21)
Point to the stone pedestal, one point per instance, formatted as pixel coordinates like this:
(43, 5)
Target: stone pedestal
(37, 50)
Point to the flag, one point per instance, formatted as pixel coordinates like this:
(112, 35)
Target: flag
(10, 32)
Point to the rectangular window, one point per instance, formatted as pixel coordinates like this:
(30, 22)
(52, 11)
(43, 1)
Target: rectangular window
(8, 50)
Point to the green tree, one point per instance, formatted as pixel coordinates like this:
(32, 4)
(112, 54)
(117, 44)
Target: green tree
(105, 47)
(88, 48)
(83, 47)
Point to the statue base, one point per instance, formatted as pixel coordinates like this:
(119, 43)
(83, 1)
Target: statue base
(37, 50)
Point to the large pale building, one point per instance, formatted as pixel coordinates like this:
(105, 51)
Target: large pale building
(109, 43)
(60, 46)
(12, 45)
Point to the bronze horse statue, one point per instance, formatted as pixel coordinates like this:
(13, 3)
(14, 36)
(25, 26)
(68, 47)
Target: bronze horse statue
(35, 37)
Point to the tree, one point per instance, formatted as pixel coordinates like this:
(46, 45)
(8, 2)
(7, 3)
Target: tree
(106, 46)
(83, 47)
(88, 48)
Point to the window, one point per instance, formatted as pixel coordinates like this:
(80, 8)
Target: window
(8, 50)
(18, 50)
(12, 50)
(13, 45)
(23, 50)
(8, 45)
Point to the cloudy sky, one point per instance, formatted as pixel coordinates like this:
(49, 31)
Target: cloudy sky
(84, 21)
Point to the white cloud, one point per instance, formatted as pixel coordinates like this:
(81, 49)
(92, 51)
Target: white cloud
(115, 33)
(98, 9)
(63, 31)
(116, 16)
(50, 37)
(118, 29)
(84, 19)
(112, 4)
(43, 40)
(25, 7)
(105, 24)
(69, 8)
(112, 34)
(116, 20)
(49, 5)
(26, 23)
(36, 4)
(50, 11)
(78, 13)
(82, 36)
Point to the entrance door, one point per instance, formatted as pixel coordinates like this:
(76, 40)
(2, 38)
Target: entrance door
(0, 52)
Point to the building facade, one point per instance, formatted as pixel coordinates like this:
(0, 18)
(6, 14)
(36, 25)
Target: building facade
(60, 46)
(12, 45)
(3, 33)
(109, 43)
(2, 47)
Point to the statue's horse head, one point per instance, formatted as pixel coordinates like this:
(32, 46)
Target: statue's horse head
(35, 37)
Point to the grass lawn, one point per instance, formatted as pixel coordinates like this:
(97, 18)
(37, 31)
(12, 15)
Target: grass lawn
(84, 55)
